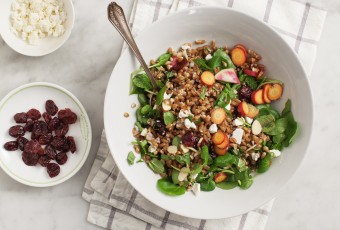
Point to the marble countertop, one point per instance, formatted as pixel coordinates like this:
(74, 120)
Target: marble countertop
(311, 199)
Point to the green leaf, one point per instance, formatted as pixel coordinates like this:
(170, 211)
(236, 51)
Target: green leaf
(215, 62)
(267, 122)
(244, 179)
(279, 138)
(290, 133)
(245, 184)
(169, 74)
(165, 157)
(202, 64)
(241, 165)
(227, 185)
(131, 158)
(223, 56)
(169, 188)
(280, 126)
(174, 176)
(139, 126)
(287, 108)
(156, 165)
(162, 60)
(160, 96)
(143, 100)
(264, 164)
(146, 109)
(208, 185)
(205, 154)
(225, 160)
(183, 159)
(140, 117)
(251, 82)
(142, 81)
(169, 118)
(176, 141)
(197, 168)
(204, 90)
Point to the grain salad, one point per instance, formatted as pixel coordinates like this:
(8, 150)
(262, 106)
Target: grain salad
(211, 122)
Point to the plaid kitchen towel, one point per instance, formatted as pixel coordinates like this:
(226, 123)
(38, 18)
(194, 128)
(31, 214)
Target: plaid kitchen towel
(114, 203)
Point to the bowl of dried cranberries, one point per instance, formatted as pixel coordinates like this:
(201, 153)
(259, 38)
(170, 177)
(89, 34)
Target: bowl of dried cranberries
(45, 134)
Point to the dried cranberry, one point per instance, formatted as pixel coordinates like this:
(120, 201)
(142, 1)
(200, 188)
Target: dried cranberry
(20, 117)
(34, 136)
(54, 124)
(51, 107)
(71, 144)
(34, 114)
(53, 169)
(62, 130)
(50, 152)
(245, 92)
(159, 127)
(189, 140)
(47, 117)
(11, 145)
(21, 142)
(44, 160)
(59, 143)
(30, 159)
(45, 139)
(29, 126)
(67, 116)
(32, 146)
(16, 131)
(40, 128)
(176, 65)
(61, 158)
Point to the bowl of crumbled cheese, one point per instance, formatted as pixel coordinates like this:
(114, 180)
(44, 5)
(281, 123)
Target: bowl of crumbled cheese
(36, 27)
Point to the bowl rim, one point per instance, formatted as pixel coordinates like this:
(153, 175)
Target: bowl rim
(214, 8)
(89, 141)
(52, 49)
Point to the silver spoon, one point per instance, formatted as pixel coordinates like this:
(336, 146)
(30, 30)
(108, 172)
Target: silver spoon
(117, 18)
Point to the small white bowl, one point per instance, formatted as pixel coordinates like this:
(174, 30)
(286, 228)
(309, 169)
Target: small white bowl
(46, 45)
(34, 95)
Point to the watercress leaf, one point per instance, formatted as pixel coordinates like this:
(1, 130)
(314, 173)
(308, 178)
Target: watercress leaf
(183, 159)
(142, 81)
(215, 62)
(208, 185)
(251, 82)
(143, 100)
(267, 122)
(290, 133)
(224, 57)
(169, 188)
(154, 114)
(280, 126)
(146, 109)
(244, 179)
(279, 138)
(225, 160)
(174, 176)
(169, 118)
(204, 90)
(176, 141)
(241, 165)
(264, 164)
(156, 165)
(162, 60)
(202, 64)
(287, 108)
(200, 177)
(131, 158)
(169, 74)
(139, 126)
(227, 185)
(197, 168)
(205, 154)
(140, 118)
(245, 184)
(160, 96)
(165, 157)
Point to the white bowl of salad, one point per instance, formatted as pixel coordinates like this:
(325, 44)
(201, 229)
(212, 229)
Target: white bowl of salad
(228, 124)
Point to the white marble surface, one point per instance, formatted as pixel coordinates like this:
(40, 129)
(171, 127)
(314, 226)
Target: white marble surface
(83, 65)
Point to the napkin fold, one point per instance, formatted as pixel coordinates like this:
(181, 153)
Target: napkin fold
(114, 203)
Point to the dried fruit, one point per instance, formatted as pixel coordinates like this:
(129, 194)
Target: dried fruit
(45, 139)
(33, 114)
(54, 124)
(11, 145)
(61, 130)
(29, 126)
(71, 144)
(30, 159)
(189, 140)
(159, 127)
(67, 116)
(51, 107)
(47, 117)
(50, 152)
(59, 143)
(16, 131)
(21, 142)
(245, 93)
(53, 169)
(44, 160)
(40, 128)
(33, 146)
(61, 158)
(20, 117)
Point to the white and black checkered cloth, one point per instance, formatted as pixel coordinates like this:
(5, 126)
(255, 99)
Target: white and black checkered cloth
(114, 203)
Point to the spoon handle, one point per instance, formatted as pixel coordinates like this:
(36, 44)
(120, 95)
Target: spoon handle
(117, 18)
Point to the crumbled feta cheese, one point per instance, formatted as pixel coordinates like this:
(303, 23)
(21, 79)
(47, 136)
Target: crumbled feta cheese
(149, 136)
(255, 156)
(32, 20)
(227, 106)
(208, 57)
(237, 134)
(144, 132)
(196, 188)
(191, 64)
(167, 96)
(276, 152)
(152, 149)
(166, 105)
(238, 121)
(184, 113)
(249, 120)
(188, 124)
(213, 128)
